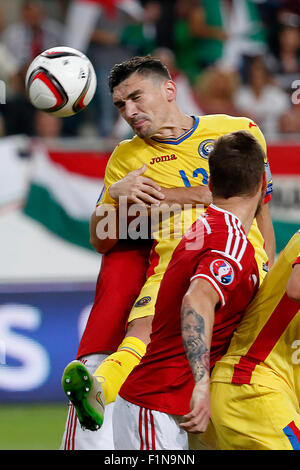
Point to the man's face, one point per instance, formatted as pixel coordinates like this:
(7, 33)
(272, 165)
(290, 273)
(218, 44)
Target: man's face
(144, 103)
(192, 334)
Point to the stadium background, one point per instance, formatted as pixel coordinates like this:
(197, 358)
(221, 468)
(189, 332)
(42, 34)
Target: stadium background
(51, 170)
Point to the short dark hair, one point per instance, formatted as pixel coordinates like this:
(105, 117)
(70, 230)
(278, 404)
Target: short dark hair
(146, 65)
(236, 165)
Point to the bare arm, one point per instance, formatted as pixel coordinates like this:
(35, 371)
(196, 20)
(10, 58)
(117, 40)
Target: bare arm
(108, 220)
(193, 195)
(137, 188)
(197, 319)
(293, 284)
(265, 225)
(108, 224)
(142, 191)
(104, 229)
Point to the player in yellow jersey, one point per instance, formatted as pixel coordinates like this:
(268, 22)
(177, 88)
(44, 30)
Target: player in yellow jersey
(166, 162)
(255, 391)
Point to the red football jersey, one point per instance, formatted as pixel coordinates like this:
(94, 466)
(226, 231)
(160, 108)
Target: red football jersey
(216, 249)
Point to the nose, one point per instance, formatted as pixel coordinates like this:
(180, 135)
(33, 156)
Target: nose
(130, 109)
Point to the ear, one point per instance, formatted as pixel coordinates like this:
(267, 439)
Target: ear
(264, 182)
(170, 90)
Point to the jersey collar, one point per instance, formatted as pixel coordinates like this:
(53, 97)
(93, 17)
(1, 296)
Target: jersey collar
(216, 208)
(182, 137)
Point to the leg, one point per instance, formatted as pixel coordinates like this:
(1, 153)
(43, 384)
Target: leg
(83, 388)
(114, 370)
(137, 428)
(75, 438)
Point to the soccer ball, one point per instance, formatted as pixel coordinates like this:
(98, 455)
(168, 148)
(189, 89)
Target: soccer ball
(61, 81)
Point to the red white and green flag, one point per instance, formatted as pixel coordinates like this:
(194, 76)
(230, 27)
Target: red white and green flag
(64, 188)
(284, 158)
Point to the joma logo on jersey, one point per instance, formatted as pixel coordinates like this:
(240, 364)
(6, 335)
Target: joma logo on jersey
(163, 158)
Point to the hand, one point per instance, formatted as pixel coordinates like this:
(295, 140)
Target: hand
(198, 418)
(137, 188)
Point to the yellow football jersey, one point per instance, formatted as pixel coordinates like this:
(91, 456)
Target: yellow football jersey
(265, 348)
(183, 162)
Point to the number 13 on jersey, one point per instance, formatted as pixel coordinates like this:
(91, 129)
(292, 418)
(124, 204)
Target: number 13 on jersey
(199, 171)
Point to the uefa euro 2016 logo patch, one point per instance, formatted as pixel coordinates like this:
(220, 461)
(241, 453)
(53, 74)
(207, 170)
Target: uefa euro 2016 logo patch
(143, 301)
(222, 271)
(206, 147)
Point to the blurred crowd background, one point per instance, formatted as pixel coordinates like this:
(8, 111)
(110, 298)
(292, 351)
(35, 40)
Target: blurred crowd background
(239, 57)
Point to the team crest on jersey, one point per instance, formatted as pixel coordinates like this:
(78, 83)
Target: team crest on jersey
(206, 147)
(222, 271)
(143, 301)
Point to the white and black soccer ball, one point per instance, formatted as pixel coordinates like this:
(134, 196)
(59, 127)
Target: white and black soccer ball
(61, 81)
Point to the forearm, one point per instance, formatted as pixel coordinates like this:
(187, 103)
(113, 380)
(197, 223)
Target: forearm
(196, 335)
(198, 357)
(193, 195)
(108, 224)
(104, 228)
(197, 319)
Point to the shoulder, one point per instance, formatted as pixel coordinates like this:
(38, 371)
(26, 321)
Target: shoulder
(127, 154)
(227, 237)
(225, 123)
(130, 144)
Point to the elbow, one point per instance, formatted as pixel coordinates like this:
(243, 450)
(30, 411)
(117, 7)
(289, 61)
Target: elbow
(102, 246)
(98, 245)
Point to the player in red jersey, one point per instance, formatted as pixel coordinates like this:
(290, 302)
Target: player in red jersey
(211, 278)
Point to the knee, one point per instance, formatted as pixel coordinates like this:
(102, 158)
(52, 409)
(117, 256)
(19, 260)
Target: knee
(140, 328)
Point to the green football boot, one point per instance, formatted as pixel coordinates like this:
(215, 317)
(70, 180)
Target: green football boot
(86, 394)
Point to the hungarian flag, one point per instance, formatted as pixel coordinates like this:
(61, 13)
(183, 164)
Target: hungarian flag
(63, 192)
(285, 203)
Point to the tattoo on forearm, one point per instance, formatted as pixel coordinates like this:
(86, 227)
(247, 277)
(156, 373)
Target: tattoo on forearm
(194, 342)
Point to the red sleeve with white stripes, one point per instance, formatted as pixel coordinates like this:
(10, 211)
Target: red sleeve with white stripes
(221, 272)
